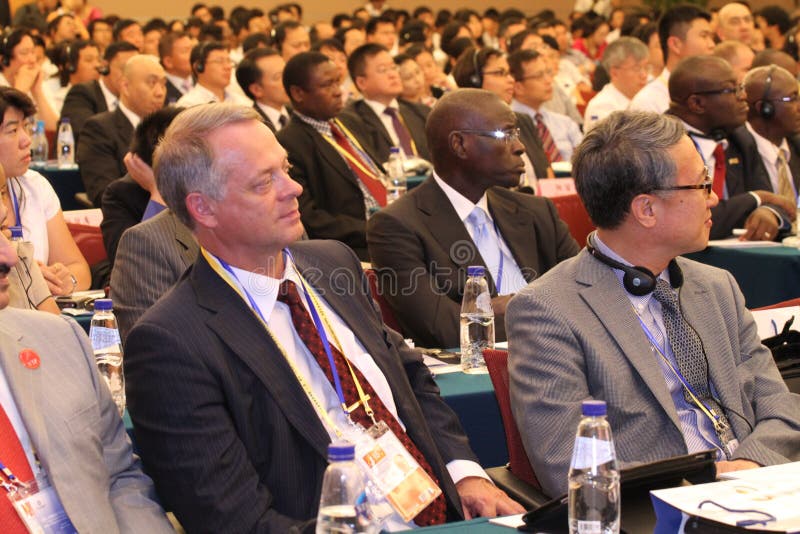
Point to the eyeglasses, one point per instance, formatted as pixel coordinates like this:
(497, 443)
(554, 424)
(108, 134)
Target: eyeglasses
(791, 98)
(705, 185)
(536, 75)
(220, 61)
(508, 135)
(498, 72)
(737, 90)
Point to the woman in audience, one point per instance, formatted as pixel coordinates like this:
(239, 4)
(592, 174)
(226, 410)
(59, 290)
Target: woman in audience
(593, 43)
(414, 87)
(648, 34)
(33, 204)
(435, 79)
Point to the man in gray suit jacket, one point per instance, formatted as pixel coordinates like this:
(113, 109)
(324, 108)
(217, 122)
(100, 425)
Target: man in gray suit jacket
(60, 408)
(594, 327)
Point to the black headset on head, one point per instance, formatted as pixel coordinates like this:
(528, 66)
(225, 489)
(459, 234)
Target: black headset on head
(476, 79)
(767, 110)
(638, 281)
(199, 63)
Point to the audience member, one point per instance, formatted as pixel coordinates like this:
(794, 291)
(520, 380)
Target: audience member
(90, 98)
(260, 75)
(713, 108)
(774, 22)
(382, 31)
(735, 23)
(626, 62)
(684, 31)
(596, 327)
(464, 215)
(211, 68)
(175, 51)
(34, 15)
(291, 38)
(101, 33)
(208, 423)
(130, 31)
(738, 55)
(153, 31)
(775, 57)
(414, 87)
(105, 137)
(62, 28)
(79, 62)
(381, 120)
(341, 179)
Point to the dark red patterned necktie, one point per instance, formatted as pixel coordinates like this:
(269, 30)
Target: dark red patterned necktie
(548, 143)
(13, 456)
(375, 186)
(402, 132)
(719, 171)
(434, 514)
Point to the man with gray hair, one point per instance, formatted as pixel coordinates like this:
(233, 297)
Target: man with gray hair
(626, 62)
(666, 342)
(230, 381)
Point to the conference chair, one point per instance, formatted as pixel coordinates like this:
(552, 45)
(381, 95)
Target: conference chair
(89, 241)
(517, 478)
(571, 210)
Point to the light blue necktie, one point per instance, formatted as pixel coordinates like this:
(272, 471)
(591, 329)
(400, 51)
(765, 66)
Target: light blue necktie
(489, 245)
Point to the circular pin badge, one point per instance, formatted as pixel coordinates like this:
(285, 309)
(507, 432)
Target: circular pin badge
(29, 359)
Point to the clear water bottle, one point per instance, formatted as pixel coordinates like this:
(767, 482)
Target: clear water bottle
(107, 347)
(396, 185)
(39, 146)
(343, 506)
(66, 145)
(594, 496)
(477, 321)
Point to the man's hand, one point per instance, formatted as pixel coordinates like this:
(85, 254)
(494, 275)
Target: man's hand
(143, 175)
(735, 465)
(499, 304)
(761, 225)
(26, 78)
(768, 197)
(58, 278)
(481, 498)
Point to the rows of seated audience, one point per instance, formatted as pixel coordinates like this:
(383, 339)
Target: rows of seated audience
(172, 118)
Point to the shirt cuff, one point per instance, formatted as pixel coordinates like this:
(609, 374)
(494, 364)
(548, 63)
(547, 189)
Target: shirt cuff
(783, 224)
(460, 469)
(153, 208)
(758, 199)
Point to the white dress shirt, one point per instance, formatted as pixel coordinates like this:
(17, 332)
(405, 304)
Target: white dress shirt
(654, 96)
(132, 117)
(604, 103)
(386, 120)
(111, 100)
(181, 84)
(201, 95)
(55, 93)
(769, 156)
(274, 114)
(565, 132)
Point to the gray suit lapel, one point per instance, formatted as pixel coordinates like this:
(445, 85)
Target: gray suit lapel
(608, 300)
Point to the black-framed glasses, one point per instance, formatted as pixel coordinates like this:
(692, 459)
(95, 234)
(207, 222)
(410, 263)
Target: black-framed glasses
(706, 185)
(498, 72)
(737, 90)
(508, 134)
(536, 75)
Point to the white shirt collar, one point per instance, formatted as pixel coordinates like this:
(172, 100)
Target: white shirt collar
(379, 108)
(518, 106)
(462, 204)
(111, 100)
(766, 149)
(132, 117)
(179, 82)
(704, 145)
(273, 114)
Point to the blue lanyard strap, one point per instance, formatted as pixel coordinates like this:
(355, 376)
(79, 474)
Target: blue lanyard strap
(15, 205)
(502, 258)
(13, 482)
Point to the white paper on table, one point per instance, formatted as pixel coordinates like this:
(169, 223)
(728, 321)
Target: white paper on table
(510, 521)
(775, 492)
(89, 217)
(764, 473)
(768, 321)
(734, 242)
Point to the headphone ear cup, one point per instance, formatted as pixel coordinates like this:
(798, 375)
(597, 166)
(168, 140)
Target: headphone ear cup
(639, 281)
(476, 81)
(767, 109)
(199, 67)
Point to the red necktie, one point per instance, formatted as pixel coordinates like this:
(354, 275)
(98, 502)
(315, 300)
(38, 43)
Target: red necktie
(13, 456)
(434, 514)
(719, 171)
(402, 132)
(549, 145)
(374, 185)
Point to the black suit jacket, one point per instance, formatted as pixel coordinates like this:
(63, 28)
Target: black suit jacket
(794, 159)
(533, 144)
(173, 93)
(124, 203)
(82, 101)
(332, 205)
(422, 250)
(225, 429)
(744, 171)
(367, 126)
(101, 150)
(264, 118)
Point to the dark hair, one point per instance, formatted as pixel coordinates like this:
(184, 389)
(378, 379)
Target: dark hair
(247, 72)
(464, 14)
(217, 13)
(328, 43)
(121, 25)
(413, 32)
(13, 98)
(676, 21)
(210, 32)
(443, 16)
(197, 6)
(155, 24)
(644, 32)
(67, 54)
(776, 16)
(464, 71)
(53, 24)
(415, 50)
(517, 61)
(150, 130)
(10, 41)
(515, 43)
(421, 10)
(449, 33)
(201, 51)
(357, 62)
(167, 42)
(193, 22)
(115, 48)
(95, 22)
(372, 24)
(339, 18)
(457, 47)
(550, 41)
(511, 13)
(298, 70)
(256, 40)
(280, 31)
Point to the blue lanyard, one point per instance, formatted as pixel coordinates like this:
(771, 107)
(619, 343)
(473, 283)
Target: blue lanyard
(15, 205)
(13, 481)
(502, 259)
(314, 315)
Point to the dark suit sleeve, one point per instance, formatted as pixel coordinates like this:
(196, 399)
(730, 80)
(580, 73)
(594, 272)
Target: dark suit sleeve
(731, 213)
(120, 205)
(79, 105)
(98, 160)
(431, 316)
(533, 145)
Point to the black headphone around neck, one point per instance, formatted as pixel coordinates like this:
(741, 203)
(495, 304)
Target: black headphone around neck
(767, 110)
(476, 79)
(638, 281)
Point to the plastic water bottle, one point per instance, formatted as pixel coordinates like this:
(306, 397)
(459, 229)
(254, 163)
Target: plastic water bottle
(594, 497)
(66, 145)
(343, 506)
(107, 347)
(396, 185)
(477, 321)
(39, 146)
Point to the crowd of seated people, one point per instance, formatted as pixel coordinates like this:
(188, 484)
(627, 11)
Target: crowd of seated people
(487, 105)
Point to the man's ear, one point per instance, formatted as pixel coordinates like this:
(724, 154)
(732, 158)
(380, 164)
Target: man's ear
(456, 143)
(644, 211)
(296, 94)
(202, 209)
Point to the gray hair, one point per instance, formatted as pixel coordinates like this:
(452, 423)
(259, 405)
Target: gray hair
(623, 156)
(184, 161)
(621, 49)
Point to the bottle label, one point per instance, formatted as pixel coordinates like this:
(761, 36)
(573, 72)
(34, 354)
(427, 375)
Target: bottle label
(105, 340)
(591, 451)
(589, 527)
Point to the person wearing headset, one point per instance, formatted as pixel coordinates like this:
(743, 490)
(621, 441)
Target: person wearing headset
(665, 341)
(211, 68)
(78, 62)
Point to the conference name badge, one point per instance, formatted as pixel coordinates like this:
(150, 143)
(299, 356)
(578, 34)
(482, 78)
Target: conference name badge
(40, 509)
(406, 485)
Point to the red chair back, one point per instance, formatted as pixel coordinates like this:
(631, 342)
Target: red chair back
(386, 311)
(497, 363)
(571, 210)
(89, 241)
(784, 304)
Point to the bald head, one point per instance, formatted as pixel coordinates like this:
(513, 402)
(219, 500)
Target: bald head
(756, 82)
(144, 85)
(735, 23)
(738, 55)
(780, 58)
(697, 74)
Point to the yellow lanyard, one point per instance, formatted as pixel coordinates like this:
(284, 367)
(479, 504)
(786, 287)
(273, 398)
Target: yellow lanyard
(347, 155)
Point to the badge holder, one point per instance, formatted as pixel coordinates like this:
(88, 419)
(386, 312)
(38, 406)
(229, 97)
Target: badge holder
(39, 508)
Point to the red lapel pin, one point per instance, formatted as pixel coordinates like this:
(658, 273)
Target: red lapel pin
(29, 358)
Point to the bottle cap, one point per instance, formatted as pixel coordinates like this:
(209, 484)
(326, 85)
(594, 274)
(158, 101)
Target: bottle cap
(592, 408)
(341, 451)
(16, 232)
(476, 270)
(103, 305)
(394, 150)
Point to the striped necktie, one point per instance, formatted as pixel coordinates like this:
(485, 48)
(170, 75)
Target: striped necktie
(550, 147)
